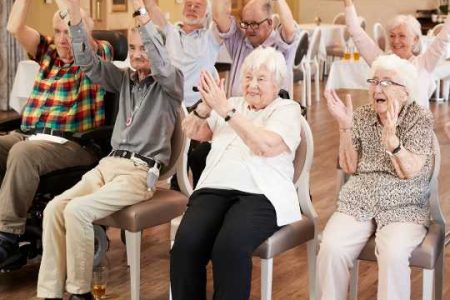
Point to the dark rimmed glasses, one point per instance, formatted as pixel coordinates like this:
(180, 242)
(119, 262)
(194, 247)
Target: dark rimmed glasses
(253, 25)
(383, 82)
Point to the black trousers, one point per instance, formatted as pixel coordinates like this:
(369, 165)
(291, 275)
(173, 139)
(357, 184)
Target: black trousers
(224, 226)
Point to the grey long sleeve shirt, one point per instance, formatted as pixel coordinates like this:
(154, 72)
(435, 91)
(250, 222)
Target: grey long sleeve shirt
(150, 104)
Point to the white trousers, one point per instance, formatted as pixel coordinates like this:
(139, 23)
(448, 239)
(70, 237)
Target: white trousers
(68, 235)
(342, 241)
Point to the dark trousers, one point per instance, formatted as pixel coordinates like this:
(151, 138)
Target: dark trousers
(224, 226)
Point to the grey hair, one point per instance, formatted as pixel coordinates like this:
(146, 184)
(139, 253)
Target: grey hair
(208, 7)
(413, 26)
(264, 5)
(406, 72)
(269, 58)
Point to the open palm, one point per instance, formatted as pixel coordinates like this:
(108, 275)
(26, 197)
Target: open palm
(343, 113)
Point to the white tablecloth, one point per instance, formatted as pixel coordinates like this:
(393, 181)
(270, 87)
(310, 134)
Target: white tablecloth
(348, 75)
(23, 84)
(332, 35)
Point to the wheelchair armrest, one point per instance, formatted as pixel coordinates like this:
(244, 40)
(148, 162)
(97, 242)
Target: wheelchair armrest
(100, 133)
(10, 123)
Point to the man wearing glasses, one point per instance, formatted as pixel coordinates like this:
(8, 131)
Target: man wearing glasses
(257, 29)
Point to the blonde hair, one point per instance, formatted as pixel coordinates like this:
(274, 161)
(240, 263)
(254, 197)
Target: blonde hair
(269, 58)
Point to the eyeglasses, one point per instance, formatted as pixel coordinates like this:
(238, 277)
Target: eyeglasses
(253, 25)
(383, 83)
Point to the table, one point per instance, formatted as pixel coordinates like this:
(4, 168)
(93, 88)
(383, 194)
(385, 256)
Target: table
(332, 35)
(348, 75)
(23, 84)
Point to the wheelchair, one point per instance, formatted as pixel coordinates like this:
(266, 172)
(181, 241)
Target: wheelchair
(56, 182)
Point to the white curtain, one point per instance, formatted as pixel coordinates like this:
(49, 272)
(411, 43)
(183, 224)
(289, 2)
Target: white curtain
(10, 54)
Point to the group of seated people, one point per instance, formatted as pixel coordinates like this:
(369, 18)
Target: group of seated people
(386, 146)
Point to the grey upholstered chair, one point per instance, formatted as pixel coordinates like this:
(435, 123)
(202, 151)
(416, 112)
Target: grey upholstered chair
(429, 255)
(164, 206)
(292, 235)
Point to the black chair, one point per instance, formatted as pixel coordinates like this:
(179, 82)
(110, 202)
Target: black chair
(56, 182)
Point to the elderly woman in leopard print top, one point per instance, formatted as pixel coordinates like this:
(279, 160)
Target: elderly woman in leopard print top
(386, 147)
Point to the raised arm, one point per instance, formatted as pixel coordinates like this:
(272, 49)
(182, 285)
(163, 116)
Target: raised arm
(27, 36)
(348, 156)
(366, 46)
(156, 14)
(221, 12)
(433, 54)
(288, 24)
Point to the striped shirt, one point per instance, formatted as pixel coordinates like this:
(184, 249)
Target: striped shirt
(63, 97)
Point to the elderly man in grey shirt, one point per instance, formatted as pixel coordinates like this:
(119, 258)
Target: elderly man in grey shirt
(149, 100)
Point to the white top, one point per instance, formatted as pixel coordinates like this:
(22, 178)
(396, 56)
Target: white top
(192, 53)
(231, 164)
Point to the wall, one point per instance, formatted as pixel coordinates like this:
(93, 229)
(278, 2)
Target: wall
(373, 10)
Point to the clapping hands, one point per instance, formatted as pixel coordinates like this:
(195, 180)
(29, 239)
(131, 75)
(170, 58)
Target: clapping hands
(343, 113)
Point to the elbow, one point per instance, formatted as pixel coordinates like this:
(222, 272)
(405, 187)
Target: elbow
(12, 29)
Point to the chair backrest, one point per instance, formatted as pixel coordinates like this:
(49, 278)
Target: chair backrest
(178, 143)
(313, 49)
(117, 40)
(379, 35)
(339, 19)
(302, 48)
(435, 30)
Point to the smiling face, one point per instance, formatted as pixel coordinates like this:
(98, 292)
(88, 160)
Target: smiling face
(259, 87)
(402, 41)
(62, 39)
(194, 12)
(254, 13)
(381, 96)
(138, 56)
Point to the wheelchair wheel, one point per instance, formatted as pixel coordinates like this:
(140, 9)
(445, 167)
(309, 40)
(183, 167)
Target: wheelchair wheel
(100, 244)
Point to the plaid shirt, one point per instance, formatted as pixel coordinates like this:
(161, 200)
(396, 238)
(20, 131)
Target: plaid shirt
(63, 97)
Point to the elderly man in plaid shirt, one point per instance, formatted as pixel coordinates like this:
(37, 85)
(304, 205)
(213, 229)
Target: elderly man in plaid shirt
(63, 101)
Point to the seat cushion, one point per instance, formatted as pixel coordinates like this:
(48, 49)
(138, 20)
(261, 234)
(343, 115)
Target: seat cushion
(286, 238)
(424, 256)
(161, 208)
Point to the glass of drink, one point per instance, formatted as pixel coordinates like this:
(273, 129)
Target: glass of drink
(356, 55)
(99, 280)
(347, 53)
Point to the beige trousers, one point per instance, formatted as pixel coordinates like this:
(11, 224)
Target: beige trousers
(68, 236)
(343, 239)
(22, 162)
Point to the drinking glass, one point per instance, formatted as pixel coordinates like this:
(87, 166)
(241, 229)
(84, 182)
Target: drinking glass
(99, 280)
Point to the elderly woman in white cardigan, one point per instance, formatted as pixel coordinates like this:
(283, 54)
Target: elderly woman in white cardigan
(386, 147)
(246, 191)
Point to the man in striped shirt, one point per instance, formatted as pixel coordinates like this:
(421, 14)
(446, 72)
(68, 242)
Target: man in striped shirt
(63, 101)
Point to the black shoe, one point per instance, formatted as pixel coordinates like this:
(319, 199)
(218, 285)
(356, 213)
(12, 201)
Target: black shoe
(87, 296)
(9, 251)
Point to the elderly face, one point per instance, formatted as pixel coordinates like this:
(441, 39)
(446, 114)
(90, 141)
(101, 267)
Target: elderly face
(259, 87)
(138, 56)
(62, 39)
(253, 13)
(402, 41)
(194, 12)
(382, 94)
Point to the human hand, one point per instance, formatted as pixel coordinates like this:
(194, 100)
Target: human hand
(213, 93)
(447, 129)
(348, 2)
(343, 113)
(138, 4)
(389, 137)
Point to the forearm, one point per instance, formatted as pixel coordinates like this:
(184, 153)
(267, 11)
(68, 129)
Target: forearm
(221, 12)
(156, 14)
(407, 164)
(348, 156)
(196, 128)
(260, 141)
(27, 36)
(288, 24)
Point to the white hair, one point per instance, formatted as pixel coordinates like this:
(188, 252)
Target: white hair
(406, 72)
(412, 25)
(269, 58)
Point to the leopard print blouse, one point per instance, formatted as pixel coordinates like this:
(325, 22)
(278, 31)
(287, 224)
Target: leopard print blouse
(375, 191)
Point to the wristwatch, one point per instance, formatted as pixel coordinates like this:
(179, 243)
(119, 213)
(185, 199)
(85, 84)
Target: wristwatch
(396, 150)
(141, 11)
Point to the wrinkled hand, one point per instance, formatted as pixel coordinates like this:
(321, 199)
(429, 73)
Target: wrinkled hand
(447, 129)
(137, 4)
(389, 137)
(348, 2)
(213, 93)
(343, 113)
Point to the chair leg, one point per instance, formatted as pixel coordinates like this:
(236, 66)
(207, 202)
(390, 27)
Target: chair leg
(445, 89)
(317, 83)
(439, 277)
(170, 286)
(266, 278)
(134, 248)
(354, 281)
(427, 284)
(311, 247)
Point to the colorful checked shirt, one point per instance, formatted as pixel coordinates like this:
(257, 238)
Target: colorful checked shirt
(63, 97)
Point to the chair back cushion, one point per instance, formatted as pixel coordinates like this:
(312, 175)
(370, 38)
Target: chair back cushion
(302, 48)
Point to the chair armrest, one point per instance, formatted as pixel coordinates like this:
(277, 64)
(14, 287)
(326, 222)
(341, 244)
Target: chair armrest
(100, 133)
(10, 123)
